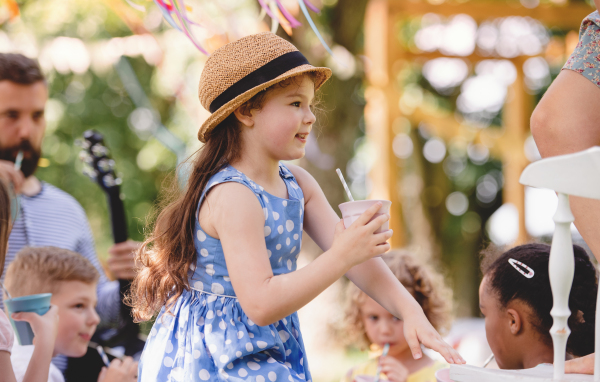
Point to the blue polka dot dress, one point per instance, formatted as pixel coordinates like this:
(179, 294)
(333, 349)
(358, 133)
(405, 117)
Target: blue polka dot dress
(209, 337)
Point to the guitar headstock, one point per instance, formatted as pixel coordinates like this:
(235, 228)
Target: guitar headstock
(97, 164)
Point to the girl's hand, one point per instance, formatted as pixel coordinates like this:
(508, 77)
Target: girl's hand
(393, 369)
(358, 243)
(119, 371)
(44, 327)
(418, 330)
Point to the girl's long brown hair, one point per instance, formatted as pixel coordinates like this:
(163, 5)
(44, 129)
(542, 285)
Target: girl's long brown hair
(4, 222)
(166, 255)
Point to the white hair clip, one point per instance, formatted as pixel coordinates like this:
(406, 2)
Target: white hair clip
(515, 264)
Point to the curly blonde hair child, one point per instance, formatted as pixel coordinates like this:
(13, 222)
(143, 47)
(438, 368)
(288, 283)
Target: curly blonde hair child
(362, 315)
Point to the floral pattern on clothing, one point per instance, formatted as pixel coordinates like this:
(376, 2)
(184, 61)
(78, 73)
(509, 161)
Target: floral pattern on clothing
(585, 59)
(208, 336)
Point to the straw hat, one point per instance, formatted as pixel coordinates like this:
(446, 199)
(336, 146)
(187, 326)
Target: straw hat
(239, 70)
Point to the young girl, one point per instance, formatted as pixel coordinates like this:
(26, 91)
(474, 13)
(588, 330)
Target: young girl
(44, 327)
(515, 298)
(220, 265)
(368, 323)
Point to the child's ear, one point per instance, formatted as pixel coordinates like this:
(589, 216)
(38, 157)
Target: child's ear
(244, 115)
(514, 321)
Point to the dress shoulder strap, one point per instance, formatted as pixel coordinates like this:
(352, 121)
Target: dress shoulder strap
(230, 174)
(294, 188)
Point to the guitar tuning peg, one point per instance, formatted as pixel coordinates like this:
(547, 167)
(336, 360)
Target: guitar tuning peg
(108, 180)
(85, 157)
(105, 164)
(92, 135)
(83, 143)
(99, 150)
(89, 172)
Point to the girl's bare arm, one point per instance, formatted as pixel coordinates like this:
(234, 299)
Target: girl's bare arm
(372, 276)
(7, 374)
(239, 221)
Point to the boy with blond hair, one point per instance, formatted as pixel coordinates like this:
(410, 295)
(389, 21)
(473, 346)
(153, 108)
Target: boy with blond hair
(72, 280)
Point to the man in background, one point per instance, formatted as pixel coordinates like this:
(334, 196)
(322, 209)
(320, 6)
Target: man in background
(46, 215)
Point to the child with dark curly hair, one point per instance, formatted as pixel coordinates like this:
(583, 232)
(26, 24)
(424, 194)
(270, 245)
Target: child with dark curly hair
(515, 298)
(368, 324)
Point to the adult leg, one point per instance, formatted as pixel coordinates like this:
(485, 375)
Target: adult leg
(567, 120)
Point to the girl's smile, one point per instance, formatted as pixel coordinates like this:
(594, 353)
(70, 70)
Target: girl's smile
(302, 137)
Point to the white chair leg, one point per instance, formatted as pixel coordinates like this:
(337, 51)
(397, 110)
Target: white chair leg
(561, 270)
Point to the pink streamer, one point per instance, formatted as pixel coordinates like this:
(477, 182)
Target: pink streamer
(311, 6)
(266, 8)
(293, 22)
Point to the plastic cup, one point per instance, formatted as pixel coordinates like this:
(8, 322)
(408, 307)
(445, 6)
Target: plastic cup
(352, 210)
(443, 375)
(364, 378)
(36, 303)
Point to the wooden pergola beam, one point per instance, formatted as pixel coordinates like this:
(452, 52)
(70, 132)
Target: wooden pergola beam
(566, 16)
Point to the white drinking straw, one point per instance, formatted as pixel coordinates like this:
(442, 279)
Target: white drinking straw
(5, 290)
(344, 183)
(386, 348)
(19, 160)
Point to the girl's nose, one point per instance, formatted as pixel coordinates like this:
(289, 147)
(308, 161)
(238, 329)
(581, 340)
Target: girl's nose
(310, 118)
(385, 327)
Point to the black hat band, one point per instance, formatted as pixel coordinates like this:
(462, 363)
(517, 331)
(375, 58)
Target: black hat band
(265, 73)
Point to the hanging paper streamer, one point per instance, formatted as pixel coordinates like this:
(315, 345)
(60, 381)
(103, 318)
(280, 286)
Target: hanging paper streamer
(133, 5)
(270, 7)
(176, 10)
(13, 8)
(175, 13)
(312, 24)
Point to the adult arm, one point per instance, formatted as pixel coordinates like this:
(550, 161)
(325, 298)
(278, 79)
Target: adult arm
(583, 365)
(565, 121)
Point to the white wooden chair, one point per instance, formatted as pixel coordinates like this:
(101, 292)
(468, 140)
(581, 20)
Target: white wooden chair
(573, 174)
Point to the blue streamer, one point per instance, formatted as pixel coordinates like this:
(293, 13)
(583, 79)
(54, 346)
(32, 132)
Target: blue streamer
(168, 17)
(314, 28)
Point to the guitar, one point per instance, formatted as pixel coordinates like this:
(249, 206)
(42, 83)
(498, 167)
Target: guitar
(100, 168)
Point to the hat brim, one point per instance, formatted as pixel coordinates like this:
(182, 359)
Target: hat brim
(225, 110)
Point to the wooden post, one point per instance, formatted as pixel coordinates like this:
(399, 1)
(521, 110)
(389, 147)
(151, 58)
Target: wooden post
(517, 112)
(381, 109)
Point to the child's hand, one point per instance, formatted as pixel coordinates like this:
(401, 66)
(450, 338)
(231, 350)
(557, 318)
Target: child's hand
(393, 369)
(358, 243)
(44, 327)
(119, 371)
(418, 330)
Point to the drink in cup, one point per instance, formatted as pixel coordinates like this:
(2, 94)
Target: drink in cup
(352, 210)
(36, 303)
(443, 375)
